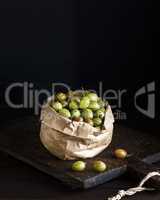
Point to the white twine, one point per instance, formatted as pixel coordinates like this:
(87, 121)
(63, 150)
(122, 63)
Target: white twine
(139, 188)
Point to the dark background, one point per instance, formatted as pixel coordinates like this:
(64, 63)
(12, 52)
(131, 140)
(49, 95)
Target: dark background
(79, 43)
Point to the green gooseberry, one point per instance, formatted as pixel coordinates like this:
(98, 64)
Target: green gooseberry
(99, 166)
(78, 166)
(56, 105)
(103, 109)
(94, 105)
(97, 121)
(75, 113)
(92, 96)
(84, 103)
(87, 114)
(100, 113)
(65, 112)
(73, 105)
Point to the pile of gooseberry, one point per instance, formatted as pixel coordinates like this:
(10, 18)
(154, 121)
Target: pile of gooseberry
(86, 106)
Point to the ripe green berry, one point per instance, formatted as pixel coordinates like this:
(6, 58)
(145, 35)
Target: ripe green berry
(84, 103)
(57, 105)
(61, 96)
(73, 105)
(100, 113)
(97, 121)
(94, 105)
(65, 112)
(87, 114)
(75, 113)
(78, 166)
(99, 166)
(92, 96)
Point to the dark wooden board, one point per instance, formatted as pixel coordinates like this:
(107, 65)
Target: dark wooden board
(21, 140)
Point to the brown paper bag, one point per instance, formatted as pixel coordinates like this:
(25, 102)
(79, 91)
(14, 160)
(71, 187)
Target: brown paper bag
(69, 140)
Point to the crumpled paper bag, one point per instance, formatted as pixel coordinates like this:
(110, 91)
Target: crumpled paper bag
(69, 140)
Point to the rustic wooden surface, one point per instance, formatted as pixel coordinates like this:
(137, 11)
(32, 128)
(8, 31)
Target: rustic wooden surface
(21, 140)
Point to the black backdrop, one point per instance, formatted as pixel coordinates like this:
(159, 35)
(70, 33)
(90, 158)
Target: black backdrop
(79, 43)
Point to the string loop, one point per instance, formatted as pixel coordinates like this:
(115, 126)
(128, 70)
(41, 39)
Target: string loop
(134, 190)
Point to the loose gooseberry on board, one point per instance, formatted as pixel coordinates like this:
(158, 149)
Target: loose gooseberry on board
(120, 153)
(99, 166)
(79, 166)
